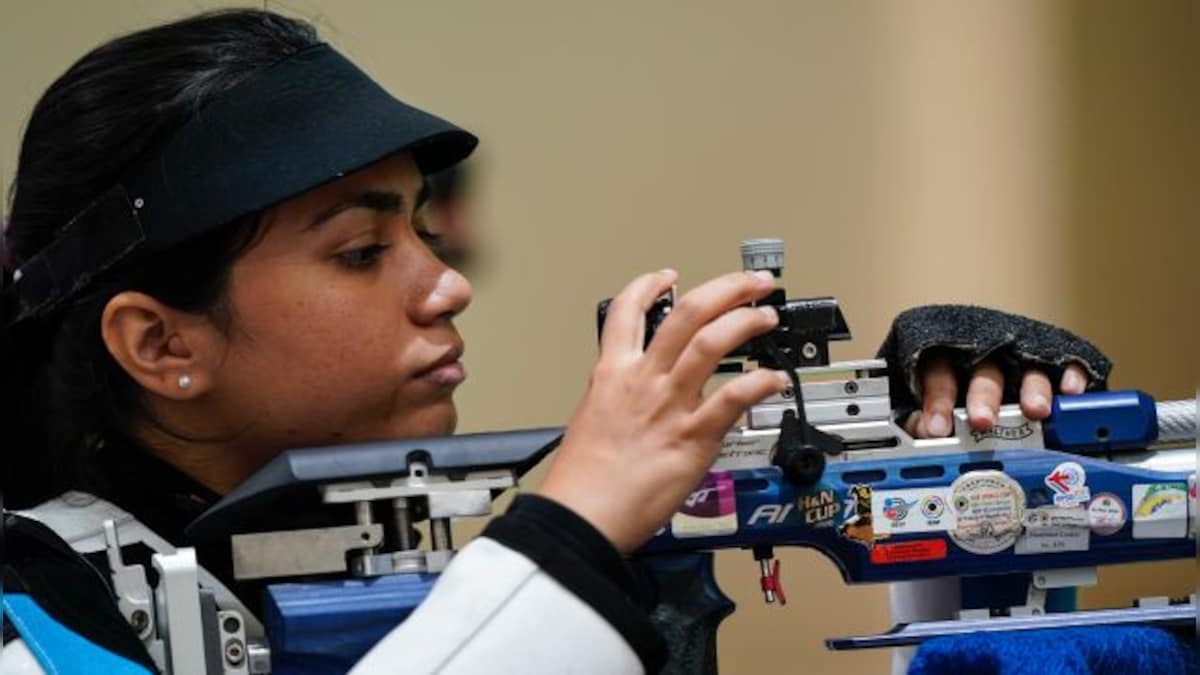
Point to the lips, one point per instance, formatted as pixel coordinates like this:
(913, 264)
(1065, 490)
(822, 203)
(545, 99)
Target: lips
(447, 370)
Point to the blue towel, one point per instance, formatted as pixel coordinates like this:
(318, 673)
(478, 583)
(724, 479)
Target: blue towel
(1063, 651)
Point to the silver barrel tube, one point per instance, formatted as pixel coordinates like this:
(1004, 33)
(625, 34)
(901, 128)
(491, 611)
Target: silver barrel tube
(1176, 420)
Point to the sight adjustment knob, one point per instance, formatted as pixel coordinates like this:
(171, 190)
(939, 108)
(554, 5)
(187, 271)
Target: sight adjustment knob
(763, 254)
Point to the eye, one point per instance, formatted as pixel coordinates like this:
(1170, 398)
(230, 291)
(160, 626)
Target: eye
(363, 257)
(427, 235)
(431, 238)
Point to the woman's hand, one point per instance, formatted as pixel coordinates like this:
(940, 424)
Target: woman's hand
(939, 388)
(644, 434)
(927, 349)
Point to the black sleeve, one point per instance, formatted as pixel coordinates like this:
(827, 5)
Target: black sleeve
(576, 555)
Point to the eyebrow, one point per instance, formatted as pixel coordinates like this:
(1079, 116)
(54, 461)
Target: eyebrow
(385, 201)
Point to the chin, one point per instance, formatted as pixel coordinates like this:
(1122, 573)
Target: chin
(436, 420)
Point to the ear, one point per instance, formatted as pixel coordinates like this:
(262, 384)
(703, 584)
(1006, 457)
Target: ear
(157, 345)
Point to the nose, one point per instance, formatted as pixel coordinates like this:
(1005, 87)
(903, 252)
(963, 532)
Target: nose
(448, 296)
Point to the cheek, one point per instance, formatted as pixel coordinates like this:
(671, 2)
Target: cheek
(319, 347)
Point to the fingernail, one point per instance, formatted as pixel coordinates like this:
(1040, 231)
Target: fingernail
(770, 312)
(1040, 402)
(783, 377)
(938, 425)
(764, 275)
(982, 412)
(667, 272)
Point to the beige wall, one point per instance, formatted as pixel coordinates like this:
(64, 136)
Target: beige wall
(1134, 221)
(992, 152)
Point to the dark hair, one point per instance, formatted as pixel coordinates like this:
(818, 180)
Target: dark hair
(61, 390)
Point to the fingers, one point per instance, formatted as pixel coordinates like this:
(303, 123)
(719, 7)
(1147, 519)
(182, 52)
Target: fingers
(987, 389)
(701, 356)
(984, 395)
(1036, 390)
(700, 306)
(912, 425)
(939, 389)
(1035, 395)
(1074, 380)
(721, 410)
(625, 324)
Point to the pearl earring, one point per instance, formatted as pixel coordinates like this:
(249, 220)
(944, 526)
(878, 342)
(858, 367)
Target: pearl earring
(185, 381)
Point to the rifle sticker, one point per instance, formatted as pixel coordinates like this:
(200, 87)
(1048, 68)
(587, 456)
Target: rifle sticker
(1068, 483)
(770, 514)
(711, 509)
(820, 507)
(912, 511)
(920, 550)
(742, 451)
(1106, 514)
(1054, 529)
(1160, 511)
(1002, 433)
(988, 506)
(856, 519)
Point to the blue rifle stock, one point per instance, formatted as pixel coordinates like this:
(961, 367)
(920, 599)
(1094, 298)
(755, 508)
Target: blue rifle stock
(324, 625)
(828, 468)
(1105, 480)
(880, 515)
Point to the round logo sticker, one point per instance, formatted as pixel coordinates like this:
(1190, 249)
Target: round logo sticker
(1106, 514)
(933, 506)
(988, 506)
(895, 508)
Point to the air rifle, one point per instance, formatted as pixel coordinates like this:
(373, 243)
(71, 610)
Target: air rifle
(1108, 478)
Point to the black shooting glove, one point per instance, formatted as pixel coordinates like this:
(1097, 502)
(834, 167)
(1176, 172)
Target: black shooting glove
(969, 335)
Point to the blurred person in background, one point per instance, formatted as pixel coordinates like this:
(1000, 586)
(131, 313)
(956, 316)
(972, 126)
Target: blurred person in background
(450, 213)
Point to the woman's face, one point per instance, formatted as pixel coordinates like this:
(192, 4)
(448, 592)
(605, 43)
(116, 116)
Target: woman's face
(342, 320)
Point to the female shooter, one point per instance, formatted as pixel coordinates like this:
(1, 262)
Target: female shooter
(215, 253)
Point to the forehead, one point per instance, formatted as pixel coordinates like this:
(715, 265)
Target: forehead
(397, 173)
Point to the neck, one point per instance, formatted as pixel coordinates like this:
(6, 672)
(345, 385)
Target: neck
(216, 463)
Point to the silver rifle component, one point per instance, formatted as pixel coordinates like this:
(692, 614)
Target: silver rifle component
(1035, 597)
(358, 548)
(855, 409)
(762, 254)
(295, 552)
(176, 619)
(1176, 421)
(132, 590)
(1173, 614)
(177, 612)
(232, 641)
